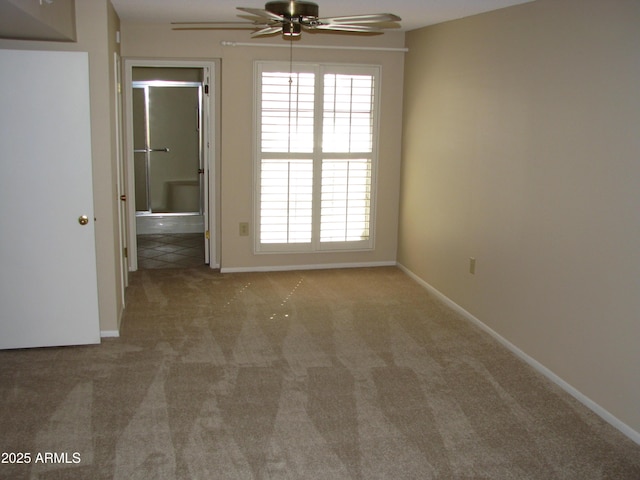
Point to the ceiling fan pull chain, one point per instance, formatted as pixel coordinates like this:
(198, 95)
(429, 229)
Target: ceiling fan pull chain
(290, 90)
(290, 57)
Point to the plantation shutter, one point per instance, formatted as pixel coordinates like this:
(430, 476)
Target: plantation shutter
(285, 197)
(316, 150)
(287, 112)
(286, 184)
(348, 122)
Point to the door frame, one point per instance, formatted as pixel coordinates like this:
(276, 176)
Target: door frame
(121, 180)
(210, 148)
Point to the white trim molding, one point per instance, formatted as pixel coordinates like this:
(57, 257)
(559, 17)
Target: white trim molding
(323, 266)
(109, 334)
(226, 43)
(597, 409)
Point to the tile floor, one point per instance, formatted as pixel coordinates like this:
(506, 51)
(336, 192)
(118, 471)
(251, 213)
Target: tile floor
(176, 250)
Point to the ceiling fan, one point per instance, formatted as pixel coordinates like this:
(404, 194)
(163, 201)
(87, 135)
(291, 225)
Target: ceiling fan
(291, 17)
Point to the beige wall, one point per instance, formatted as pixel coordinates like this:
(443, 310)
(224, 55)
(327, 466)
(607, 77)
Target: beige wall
(96, 24)
(236, 145)
(522, 149)
(37, 20)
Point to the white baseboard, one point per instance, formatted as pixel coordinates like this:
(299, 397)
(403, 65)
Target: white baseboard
(597, 409)
(109, 334)
(323, 266)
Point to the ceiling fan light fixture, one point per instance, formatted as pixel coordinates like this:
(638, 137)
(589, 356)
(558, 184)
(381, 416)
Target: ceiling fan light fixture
(291, 29)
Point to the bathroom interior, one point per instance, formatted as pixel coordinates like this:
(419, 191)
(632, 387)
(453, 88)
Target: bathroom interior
(169, 166)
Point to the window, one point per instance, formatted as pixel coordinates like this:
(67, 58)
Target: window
(316, 153)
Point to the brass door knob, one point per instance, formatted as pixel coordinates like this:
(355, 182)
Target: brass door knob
(83, 220)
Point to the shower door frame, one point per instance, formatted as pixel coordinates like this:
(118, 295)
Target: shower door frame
(210, 175)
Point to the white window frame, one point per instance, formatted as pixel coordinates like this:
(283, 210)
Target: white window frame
(317, 156)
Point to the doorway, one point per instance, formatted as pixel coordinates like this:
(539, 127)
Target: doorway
(170, 177)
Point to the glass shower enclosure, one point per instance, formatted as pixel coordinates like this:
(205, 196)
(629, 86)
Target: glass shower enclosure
(168, 160)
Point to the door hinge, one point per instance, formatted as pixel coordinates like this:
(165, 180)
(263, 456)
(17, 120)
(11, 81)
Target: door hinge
(207, 235)
(126, 252)
(206, 89)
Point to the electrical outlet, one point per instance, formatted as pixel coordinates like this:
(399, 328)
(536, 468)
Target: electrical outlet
(472, 266)
(244, 229)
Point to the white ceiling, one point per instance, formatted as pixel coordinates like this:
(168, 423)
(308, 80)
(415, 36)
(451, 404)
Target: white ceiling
(414, 13)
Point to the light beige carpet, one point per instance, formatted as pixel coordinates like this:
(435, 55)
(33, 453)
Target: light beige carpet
(336, 374)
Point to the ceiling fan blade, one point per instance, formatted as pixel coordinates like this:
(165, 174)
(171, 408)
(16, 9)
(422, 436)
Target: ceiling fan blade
(346, 28)
(261, 13)
(269, 30)
(216, 26)
(365, 18)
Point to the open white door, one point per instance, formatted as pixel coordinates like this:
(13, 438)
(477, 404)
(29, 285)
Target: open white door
(48, 285)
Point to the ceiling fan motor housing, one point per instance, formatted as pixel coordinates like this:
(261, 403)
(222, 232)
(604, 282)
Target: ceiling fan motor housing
(292, 9)
(296, 12)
